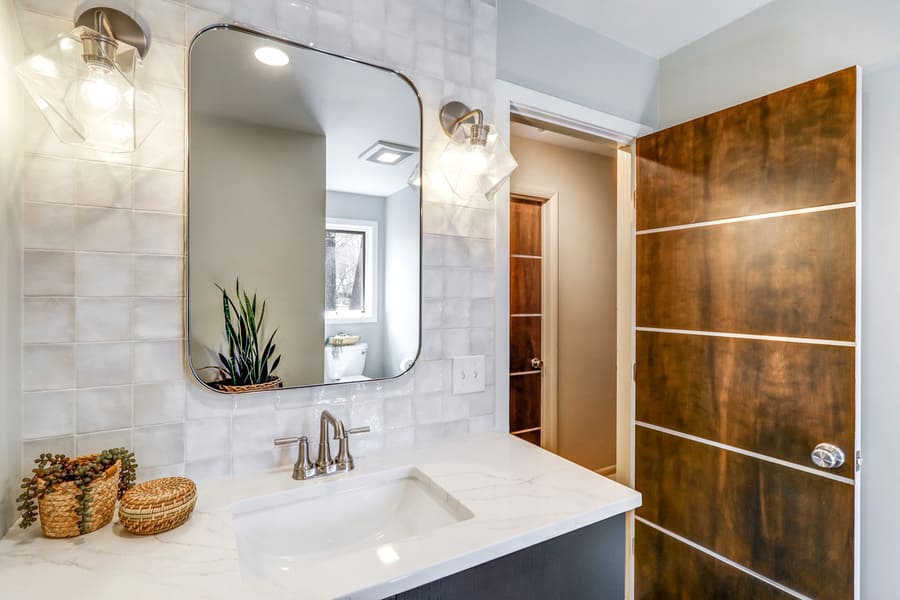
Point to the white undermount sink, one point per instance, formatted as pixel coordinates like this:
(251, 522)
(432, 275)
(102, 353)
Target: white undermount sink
(275, 533)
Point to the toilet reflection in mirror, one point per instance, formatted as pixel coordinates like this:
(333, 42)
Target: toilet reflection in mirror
(299, 186)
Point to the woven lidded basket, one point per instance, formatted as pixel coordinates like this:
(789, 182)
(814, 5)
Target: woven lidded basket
(157, 505)
(272, 384)
(57, 507)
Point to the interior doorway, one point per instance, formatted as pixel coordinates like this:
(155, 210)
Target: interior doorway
(563, 258)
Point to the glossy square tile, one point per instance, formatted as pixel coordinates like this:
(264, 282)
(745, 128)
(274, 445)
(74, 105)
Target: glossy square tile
(49, 273)
(156, 403)
(48, 414)
(103, 364)
(103, 274)
(102, 319)
(48, 320)
(100, 409)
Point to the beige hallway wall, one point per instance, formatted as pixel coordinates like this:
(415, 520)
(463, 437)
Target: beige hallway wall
(586, 184)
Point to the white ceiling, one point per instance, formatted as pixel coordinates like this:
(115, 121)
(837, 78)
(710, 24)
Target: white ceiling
(654, 27)
(353, 105)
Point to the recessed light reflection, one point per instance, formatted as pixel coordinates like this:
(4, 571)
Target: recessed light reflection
(388, 157)
(271, 56)
(387, 554)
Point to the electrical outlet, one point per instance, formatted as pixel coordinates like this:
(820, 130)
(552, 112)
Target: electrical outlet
(468, 374)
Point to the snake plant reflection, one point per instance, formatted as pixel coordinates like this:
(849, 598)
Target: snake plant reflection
(246, 367)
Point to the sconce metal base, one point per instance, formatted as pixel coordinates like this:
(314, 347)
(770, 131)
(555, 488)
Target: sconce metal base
(124, 27)
(451, 113)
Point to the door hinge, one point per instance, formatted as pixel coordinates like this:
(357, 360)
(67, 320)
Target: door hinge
(634, 372)
(858, 460)
(632, 545)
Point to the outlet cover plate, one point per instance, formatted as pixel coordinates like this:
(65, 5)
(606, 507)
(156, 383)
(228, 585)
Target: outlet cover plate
(468, 374)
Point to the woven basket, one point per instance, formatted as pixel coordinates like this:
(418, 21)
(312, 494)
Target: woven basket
(157, 505)
(57, 507)
(272, 384)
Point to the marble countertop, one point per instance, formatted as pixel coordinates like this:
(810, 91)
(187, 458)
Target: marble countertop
(519, 494)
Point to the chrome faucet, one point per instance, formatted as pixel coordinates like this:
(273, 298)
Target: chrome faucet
(325, 464)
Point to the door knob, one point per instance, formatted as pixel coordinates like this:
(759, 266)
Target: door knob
(537, 363)
(827, 456)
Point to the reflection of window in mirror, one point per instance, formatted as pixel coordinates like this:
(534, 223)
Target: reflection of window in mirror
(350, 264)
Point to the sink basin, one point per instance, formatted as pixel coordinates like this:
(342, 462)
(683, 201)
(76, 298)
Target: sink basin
(279, 532)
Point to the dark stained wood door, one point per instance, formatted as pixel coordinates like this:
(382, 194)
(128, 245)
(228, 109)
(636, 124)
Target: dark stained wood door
(746, 348)
(525, 319)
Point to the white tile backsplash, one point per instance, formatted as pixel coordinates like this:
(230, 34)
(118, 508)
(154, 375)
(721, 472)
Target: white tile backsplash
(105, 363)
(102, 319)
(49, 273)
(48, 320)
(101, 409)
(48, 414)
(104, 360)
(48, 367)
(103, 275)
(156, 403)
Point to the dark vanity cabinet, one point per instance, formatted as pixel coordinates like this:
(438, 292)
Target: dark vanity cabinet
(585, 564)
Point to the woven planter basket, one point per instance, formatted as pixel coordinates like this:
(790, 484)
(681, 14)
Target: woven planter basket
(272, 384)
(57, 507)
(158, 505)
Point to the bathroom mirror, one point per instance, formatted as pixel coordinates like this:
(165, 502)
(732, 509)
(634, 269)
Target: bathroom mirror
(301, 173)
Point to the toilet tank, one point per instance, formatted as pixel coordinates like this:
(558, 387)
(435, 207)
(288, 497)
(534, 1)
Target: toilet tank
(342, 362)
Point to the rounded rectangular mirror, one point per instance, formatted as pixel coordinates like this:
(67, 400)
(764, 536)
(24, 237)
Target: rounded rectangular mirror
(304, 217)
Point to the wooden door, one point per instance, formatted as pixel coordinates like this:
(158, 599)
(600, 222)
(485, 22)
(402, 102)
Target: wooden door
(525, 317)
(746, 348)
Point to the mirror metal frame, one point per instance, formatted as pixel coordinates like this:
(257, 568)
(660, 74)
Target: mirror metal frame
(187, 188)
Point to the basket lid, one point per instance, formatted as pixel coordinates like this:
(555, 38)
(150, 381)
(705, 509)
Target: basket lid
(155, 493)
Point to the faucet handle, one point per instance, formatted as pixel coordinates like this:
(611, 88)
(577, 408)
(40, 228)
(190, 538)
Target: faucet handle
(303, 468)
(288, 441)
(344, 459)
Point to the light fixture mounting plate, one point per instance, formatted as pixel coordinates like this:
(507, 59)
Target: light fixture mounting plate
(123, 26)
(451, 113)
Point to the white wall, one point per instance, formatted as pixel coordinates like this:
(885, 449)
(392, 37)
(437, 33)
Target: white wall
(105, 251)
(586, 184)
(402, 278)
(256, 219)
(542, 51)
(367, 208)
(11, 154)
(784, 43)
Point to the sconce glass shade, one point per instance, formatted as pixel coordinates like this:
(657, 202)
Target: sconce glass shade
(476, 162)
(95, 106)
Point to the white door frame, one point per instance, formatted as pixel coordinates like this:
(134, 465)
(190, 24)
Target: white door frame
(514, 99)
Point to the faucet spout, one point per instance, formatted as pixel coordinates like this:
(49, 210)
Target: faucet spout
(325, 462)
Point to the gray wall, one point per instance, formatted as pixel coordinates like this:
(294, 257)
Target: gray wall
(11, 154)
(401, 276)
(257, 212)
(545, 52)
(586, 184)
(366, 208)
(786, 42)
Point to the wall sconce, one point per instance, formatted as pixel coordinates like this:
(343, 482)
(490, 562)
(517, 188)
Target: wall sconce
(476, 161)
(83, 83)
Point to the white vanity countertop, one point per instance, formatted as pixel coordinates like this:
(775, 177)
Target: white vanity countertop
(520, 496)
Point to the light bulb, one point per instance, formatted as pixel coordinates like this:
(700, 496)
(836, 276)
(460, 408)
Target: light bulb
(99, 93)
(475, 162)
(67, 43)
(271, 56)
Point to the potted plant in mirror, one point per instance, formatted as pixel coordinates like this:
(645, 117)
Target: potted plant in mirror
(74, 496)
(250, 364)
